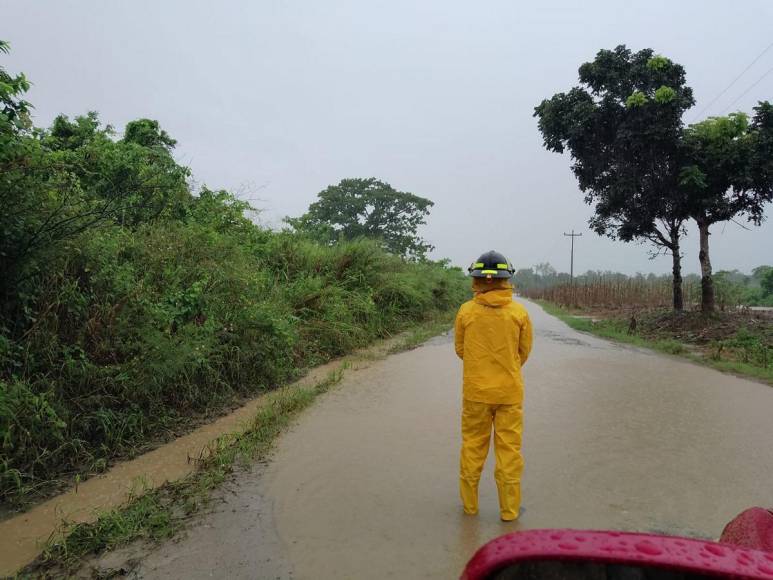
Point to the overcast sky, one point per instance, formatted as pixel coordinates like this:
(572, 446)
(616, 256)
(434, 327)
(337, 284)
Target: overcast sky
(277, 99)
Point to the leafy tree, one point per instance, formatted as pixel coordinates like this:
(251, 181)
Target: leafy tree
(72, 135)
(30, 184)
(763, 277)
(766, 283)
(727, 171)
(136, 179)
(43, 206)
(729, 286)
(58, 183)
(62, 182)
(14, 110)
(148, 133)
(623, 128)
(368, 208)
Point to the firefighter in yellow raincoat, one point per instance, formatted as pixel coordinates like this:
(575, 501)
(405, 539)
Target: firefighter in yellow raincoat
(493, 338)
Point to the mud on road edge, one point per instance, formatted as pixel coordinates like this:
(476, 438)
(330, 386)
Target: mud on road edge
(152, 516)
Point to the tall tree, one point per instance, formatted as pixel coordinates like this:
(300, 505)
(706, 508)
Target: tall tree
(135, 179)
(55, 184)
(372, 209)
(623, 127)
(727, 172)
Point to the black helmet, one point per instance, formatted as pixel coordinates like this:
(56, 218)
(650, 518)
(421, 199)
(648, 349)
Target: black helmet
(491, 265)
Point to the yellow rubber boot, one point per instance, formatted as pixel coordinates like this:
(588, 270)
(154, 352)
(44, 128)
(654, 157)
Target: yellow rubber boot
(509, 500)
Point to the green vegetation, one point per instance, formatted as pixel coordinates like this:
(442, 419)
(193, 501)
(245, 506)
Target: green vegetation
(733, 288)
(748, 348)
(646, 173)
(727, 171)
(133, 305)
(369, 208)
(744, 352)
(420, 334)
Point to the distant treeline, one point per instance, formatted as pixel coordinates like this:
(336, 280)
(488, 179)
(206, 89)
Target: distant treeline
(733, 288)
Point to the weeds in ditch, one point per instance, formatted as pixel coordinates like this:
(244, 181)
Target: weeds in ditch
(158, 514)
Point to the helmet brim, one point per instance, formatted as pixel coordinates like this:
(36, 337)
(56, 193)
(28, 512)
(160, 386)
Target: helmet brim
(478, 273)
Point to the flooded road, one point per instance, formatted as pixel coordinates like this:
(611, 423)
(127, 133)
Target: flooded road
(364, 485)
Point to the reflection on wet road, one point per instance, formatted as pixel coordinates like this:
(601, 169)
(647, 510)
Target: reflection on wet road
(365, 484)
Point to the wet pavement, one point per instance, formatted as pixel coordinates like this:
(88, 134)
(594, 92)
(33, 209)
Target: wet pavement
(364, 485)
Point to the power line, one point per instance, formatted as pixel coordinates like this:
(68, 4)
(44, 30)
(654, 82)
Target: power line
(743, 94)
(735, 80)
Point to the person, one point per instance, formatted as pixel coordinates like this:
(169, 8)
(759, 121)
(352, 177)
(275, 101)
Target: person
(493, 337)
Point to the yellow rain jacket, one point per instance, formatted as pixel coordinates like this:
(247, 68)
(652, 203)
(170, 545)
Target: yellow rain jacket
(493, 338)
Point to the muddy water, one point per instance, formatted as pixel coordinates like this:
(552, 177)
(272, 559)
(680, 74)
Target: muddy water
(22, 537)
(365, 484)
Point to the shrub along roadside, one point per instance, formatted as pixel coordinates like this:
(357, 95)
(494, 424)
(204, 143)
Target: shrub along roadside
(139, 330)
(751, 356)
(132, 304)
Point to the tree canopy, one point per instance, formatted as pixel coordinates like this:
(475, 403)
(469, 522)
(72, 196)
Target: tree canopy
(727, 171)
(368, 208)
(622, 127)
(77, 175)
(14, 110)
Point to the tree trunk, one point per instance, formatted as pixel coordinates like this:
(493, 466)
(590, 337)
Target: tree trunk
(677, 271)
(707, 283)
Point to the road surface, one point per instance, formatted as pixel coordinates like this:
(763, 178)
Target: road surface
(364, 485)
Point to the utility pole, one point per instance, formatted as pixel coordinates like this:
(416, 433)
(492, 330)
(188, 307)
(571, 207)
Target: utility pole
(571, 267)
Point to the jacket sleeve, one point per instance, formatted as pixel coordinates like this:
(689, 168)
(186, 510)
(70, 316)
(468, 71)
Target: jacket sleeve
(459, 335)
(525, 339)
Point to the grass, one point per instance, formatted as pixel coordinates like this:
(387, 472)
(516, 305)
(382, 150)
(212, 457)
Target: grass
(423, 332)
(741, 368)
(617, 330)
(157, 515)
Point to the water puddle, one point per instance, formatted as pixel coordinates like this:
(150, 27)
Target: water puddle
(562, 338)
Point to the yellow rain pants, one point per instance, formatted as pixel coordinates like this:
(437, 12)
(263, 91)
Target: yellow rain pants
(477, 420)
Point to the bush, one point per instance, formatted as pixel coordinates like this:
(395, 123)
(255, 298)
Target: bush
(750, 347)
(138, 329)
